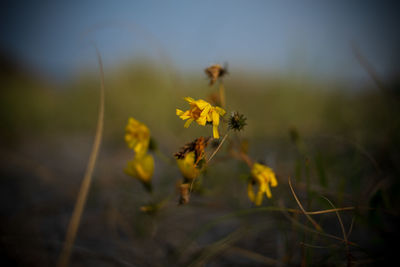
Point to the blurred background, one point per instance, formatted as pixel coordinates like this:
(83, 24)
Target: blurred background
(317, 81)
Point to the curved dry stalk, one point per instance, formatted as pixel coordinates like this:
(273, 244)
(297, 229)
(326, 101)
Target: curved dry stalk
(343, 231)
(316, 225)
(351, 227)
(339, 219)
(87, 179)
(286, 214)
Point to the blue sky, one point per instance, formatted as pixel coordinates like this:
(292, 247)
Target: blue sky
(271, 36)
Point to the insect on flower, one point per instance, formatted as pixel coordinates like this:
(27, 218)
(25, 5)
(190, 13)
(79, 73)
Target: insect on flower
(264, 177)
(201, 112)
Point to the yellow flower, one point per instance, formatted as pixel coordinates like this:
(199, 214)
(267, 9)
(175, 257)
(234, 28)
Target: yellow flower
(141, 167)
(264, 177)
(187, 166)
(137, 136)
(202, 112)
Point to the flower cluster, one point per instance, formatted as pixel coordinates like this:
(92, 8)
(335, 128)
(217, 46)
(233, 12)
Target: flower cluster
(191, 158)
(137, 137)
(190, 155)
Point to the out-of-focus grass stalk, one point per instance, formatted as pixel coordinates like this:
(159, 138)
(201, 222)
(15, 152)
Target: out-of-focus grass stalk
(87, 179)
(348, 255)
(316, 225)
(205, 227)
(222, 94)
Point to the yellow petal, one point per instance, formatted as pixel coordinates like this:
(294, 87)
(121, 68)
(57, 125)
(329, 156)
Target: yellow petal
(220, 111)
(202, 104)
(250, 191)
(215, 132)
(185, 115)
(202, 121)
(209, 117)
(273, 180)
(189, 99)
(259, 198)
(215, 118)
(205, 110)
(268, 191)
(187, 123)
(179, 112)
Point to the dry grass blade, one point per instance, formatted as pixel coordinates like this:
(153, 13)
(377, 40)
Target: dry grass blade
(316, 225)
(329, 211)
(339, 219)
(351, 227)
(344, 233)
(306, 228)
(87, 179)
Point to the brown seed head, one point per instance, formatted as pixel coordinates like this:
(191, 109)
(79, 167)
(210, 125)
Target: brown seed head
(198, 146)
(214, 72)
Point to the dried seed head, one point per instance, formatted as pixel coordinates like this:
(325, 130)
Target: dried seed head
(237, 121)
(198, 146)
(214, 72)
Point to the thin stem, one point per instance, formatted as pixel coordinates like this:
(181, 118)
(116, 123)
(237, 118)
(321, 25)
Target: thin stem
(222, 94)
(218, 148)
(316, 225)
(87, 179)
(212, 155)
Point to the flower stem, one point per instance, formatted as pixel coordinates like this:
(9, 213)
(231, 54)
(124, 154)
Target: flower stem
(210, 158)
(222, 94)
(218, 148)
